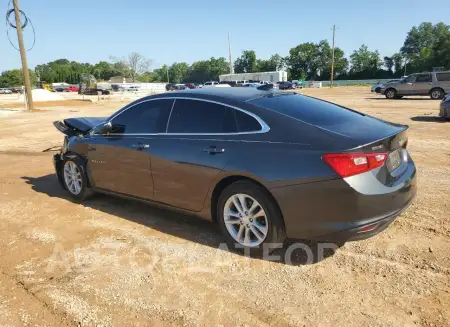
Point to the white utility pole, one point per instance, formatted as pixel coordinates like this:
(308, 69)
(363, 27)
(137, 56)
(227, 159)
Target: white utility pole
(332, 58)
(229, 54)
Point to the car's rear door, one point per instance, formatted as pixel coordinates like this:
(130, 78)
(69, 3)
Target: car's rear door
(120, 161)
(201, 140)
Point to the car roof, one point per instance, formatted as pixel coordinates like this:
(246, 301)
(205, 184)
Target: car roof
(234, 93)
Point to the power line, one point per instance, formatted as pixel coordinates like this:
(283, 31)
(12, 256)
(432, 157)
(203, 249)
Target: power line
(10, 25)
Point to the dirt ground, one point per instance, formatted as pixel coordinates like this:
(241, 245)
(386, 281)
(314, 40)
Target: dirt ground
(112, 262)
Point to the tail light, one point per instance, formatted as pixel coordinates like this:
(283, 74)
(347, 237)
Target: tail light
(349, 164)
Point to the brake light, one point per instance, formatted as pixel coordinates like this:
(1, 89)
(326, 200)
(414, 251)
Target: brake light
(349, 164)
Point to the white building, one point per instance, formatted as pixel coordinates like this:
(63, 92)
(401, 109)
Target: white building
(262, 76)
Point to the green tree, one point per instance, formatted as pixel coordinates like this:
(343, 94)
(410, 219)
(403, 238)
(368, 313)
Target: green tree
(274, 63)
(178, 72)
(14, 78)
(160, 74)
(131, 66)
(246, 63)
(398, 62)
(365, 63)
(388, 63)
(427, 46)
(302, 61)
(104, 71)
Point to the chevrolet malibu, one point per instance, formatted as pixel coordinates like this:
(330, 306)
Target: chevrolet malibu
(264, 164)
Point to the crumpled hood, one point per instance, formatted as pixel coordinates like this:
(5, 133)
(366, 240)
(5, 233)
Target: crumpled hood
(74, 126)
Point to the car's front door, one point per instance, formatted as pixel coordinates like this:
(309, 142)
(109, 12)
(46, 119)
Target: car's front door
(422, 85)
(120, 160)
(201, 140)
(405, 86)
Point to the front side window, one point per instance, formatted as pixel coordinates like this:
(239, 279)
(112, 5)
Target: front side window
(423, 78)
(410, 79)
(148, 117)
(202, 117)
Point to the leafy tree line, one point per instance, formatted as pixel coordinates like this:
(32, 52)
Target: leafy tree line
(426, 46)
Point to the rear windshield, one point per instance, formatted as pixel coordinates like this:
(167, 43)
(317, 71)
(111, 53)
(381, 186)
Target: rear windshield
(309, 110)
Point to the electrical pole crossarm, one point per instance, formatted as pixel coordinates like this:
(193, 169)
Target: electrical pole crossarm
(23, 56)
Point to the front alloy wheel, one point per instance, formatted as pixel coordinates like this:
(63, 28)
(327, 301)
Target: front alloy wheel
(245, 220)
(390, 94)
(72, 178)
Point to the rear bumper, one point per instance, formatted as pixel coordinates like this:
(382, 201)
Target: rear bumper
(339, 210)
(364, 231)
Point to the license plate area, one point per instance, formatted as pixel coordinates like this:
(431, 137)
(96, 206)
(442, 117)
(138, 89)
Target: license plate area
(395, 160)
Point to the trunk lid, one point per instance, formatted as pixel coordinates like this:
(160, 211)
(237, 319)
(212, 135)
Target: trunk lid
(76, 126)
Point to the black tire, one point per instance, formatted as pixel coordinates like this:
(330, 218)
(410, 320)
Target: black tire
(390, 93)
(437, 94)
(85, 192)
(275, 232)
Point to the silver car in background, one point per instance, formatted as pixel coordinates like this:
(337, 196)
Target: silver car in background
(434, 84)
(377, 88)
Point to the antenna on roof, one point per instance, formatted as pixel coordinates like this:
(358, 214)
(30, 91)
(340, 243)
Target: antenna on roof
(265, 87)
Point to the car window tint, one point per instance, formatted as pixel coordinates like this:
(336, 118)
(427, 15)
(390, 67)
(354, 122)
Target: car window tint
(423, 78)
(410, 79)
(145, 117)
(193, 116)
(245, 122)
(310, 110)
(443, 77)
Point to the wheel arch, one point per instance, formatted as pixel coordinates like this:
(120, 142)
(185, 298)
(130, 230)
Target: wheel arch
(83, 164)
(437, 88)
(228, 180)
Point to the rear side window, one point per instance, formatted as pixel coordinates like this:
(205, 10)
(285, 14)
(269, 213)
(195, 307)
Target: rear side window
(148, 117)
(423, 78)
(309, 110)
(245, 122)
(200, 117)
(443, 77)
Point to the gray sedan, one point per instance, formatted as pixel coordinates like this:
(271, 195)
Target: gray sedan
(262, 163)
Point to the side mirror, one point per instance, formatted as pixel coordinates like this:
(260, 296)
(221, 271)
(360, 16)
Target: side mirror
(105, 129)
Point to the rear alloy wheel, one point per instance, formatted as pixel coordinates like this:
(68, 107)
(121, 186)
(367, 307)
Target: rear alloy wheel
(390, 93)
(436, 94)
(246, 220)
(249, 218)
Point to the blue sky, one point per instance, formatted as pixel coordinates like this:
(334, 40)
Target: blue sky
(172, 30)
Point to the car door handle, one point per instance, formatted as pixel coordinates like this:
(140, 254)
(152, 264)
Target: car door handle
(91, 148)
(140, 146)
(213, 150)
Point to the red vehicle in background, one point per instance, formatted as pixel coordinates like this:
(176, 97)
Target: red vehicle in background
(72, 88)
(191, 86)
